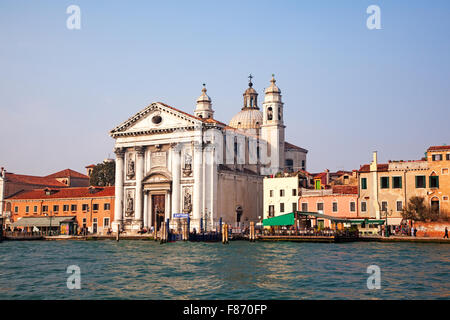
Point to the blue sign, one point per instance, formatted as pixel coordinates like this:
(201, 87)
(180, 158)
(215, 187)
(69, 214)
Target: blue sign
(181, 215)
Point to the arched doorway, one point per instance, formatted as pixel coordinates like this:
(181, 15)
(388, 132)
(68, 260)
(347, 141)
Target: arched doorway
(239, 212)
(435, 205)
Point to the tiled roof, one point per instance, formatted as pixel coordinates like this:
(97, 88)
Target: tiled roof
(380, 167)
(438, 148)
(288, 145)
(33, 180)
(67, 173)
(65, 193)
(342, 189)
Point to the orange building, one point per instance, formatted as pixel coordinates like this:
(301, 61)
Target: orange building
(92, 207)
(438, 158)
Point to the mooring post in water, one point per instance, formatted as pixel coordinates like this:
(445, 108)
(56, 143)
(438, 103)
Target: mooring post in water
(118, 233)
(252, 231)
(224, 233)
(167, 230)
(188, 228)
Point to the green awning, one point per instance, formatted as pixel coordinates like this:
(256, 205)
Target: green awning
(42, 221)
(283, 220)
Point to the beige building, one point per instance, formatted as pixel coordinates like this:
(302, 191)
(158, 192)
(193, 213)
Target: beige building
(384, 189)
(281, 194)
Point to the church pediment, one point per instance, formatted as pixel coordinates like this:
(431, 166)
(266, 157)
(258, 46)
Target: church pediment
(157, 177)
(155, 118)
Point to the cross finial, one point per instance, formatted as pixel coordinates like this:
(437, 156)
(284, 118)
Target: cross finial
(250, 77)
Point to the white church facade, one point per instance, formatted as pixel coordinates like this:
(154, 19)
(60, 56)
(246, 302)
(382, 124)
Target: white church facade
(169, 162)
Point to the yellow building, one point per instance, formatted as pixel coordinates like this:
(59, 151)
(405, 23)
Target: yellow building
(384, 189)
(438, 158)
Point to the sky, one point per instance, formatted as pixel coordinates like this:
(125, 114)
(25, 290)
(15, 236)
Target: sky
(347, 90)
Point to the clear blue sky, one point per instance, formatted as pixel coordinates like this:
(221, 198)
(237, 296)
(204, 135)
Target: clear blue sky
(347, 90)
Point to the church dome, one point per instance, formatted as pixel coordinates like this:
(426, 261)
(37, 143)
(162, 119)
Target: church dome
(247, 118)
(273, 88)
(203, 97)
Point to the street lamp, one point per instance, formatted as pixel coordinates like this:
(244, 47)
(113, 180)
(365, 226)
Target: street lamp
(386, 214)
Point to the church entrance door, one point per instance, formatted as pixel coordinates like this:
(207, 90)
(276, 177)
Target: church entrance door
(158, 209)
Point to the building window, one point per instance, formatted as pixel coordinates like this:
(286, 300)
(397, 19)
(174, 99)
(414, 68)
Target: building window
(434, 181)
(445, 198)
(420, 182)
(397, 182)
(399, 206)
(85, 207)
(303, 164)
(335, 207)
(447, 156)
(84, 222)
(384, 182)
(73, 207)
(320, 206)
(44, 208)
(304, 207)
(281, 207)
(384, 206)
(271, 211)
(105, 222)
(289, 165)
(294, 206)
(271, 193)
(95, 207)
(107, 206)
(363, 183)
(55, 208)
(27, 209)
(282, 193)
(65, 207)
(16, 209)
(363, 206)
(352, 206)
(294, 192)
(35, 209)
(436, 157)
(444, 170)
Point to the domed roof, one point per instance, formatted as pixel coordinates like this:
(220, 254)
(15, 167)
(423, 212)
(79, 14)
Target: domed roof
(247, 118)
(273, 88)
(204, 97)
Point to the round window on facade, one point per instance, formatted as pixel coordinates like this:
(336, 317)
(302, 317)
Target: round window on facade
(156, 119)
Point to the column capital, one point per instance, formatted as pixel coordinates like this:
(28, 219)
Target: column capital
(120, 152)
(140, 150)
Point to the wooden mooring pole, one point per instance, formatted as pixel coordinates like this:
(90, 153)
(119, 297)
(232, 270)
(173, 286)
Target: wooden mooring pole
(224, 233)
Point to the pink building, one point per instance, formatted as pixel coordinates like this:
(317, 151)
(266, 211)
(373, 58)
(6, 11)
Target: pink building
(339, 202)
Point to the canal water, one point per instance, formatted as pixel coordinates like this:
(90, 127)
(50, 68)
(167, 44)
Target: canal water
(240, 270)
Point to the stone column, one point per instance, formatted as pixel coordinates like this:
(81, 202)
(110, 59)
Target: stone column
(176, 166)
(139, 177)
(198, 187)
(118, 204)
(146, 210)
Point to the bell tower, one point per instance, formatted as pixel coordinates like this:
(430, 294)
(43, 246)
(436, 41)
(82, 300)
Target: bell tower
(204, 107)
(272, 129)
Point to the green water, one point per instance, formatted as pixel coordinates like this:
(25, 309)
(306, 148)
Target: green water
(240, 270)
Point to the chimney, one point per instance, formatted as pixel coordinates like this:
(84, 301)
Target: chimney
(375, 157)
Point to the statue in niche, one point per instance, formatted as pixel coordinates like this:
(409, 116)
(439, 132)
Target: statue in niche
(130, 169)
(187, 203)
(187, 169)
(279, 114)
(129, 205)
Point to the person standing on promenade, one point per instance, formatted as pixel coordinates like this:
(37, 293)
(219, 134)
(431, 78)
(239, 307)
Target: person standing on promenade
(446, 233)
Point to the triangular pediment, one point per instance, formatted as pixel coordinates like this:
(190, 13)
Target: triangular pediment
(157, 117)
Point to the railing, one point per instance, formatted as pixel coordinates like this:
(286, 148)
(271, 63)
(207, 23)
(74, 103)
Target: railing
(313, 233)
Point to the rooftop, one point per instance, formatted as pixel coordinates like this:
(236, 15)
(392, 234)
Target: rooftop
(84, 192)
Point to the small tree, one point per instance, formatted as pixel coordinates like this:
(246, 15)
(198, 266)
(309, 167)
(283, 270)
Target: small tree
(415, 209)
(103, 174)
